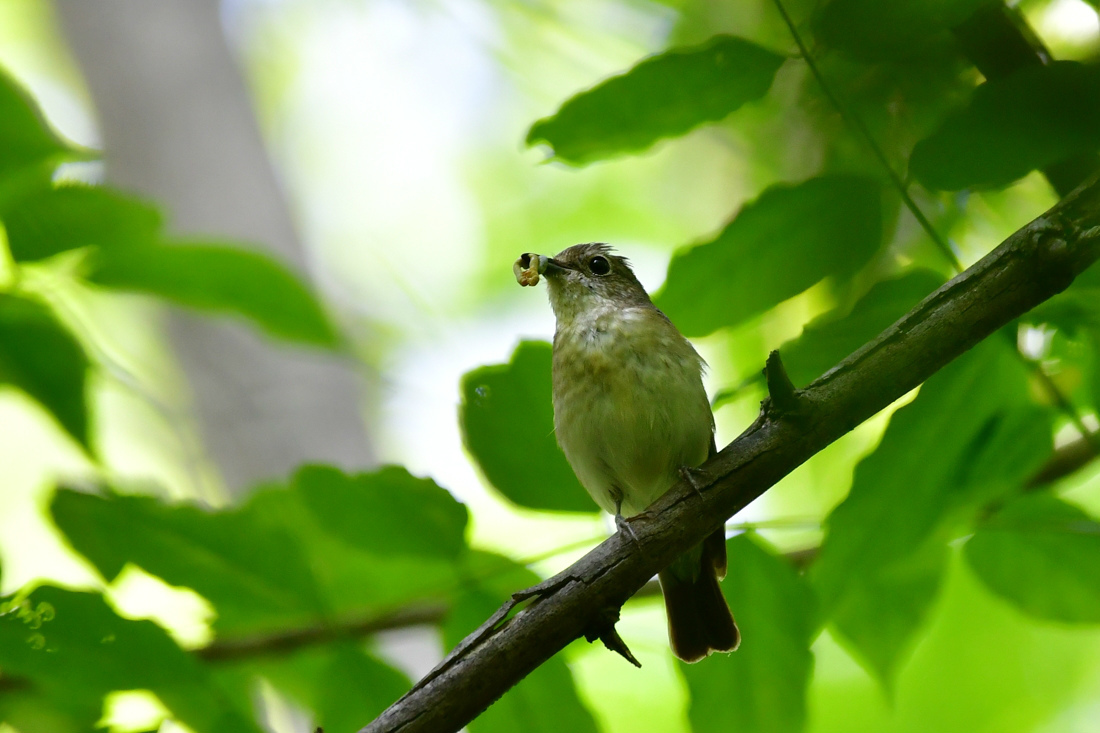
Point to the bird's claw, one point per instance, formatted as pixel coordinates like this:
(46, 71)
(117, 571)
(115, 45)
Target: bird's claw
(696, 478)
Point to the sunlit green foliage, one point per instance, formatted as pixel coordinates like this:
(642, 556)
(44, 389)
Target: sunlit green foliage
(324, 559)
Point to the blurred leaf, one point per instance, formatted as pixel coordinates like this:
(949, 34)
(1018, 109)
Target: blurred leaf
(1076, 307)
(354, 689)
(389, 511)
(663, 96)
(969, 437)
(226, 279)
(354, 583)
(762, 686)
(787, 240)
(831, 336)
(897, 30)
(73, 649)
(545, 701)
(130, 253)
(507, 420)
(25, 138)
(251, 568)
(1012, 126)
(344, 686)
(53, 220)
(1042, 555)
(280, 560)
(39, 356)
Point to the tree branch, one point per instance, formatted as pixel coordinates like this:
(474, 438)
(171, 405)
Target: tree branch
(1032, 265)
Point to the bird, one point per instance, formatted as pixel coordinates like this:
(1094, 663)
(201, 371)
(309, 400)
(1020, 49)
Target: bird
(631, 416)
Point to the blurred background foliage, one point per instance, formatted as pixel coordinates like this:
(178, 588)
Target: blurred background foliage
(935, 569)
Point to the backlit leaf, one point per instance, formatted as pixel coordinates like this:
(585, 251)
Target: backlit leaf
(1042, 555)
(218, 278)
(790, 238)
(388, 512)
(72, 649)
(968, 438)
(827, 339)
(507, 419)
(39, 356)
(1012, 126)
(762, 686)
(664, 96)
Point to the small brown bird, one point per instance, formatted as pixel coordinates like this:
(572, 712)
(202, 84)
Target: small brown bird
(630, 413)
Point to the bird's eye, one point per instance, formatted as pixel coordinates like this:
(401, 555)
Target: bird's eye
(599, 265)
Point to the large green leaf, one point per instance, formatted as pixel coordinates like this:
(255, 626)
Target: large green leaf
(70, 649)
(25, 138)
(790, 238)
(871, 30)
(762, 686)
(507, 420)
(251, 568)
(357, 584)
(545, 701)
(1075, 308)
(388, 512)
(226, 279)
(664, 96)
(1027, 121)
(968, 438)
(283, 559)
(344, 686)
(1042, 555)
(39, 356)
(354, 688)
(47, 221)
(832, 336)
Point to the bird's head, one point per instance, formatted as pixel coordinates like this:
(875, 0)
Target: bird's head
(586, 277)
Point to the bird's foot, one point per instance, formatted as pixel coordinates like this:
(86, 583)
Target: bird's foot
(697, 478)
(623, 525)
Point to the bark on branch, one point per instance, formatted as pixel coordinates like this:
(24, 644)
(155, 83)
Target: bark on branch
(1032, 265)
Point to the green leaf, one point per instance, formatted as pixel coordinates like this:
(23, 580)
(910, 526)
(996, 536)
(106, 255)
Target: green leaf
(39, 356)
(354, 689)
(890, 31)
(25, 138)
(354, 583)
(545, 701)
(72, 649)
(507, 420)
(1042, 555)
(48, 221)
(277, 561)
(225, 279)
(343, 685)
(832, 336)
(790, 238)
(388, 512)
(251, 568)
(663, 96)
(1012, 126)
(1075, 308)
(969, 438)
(762, 686)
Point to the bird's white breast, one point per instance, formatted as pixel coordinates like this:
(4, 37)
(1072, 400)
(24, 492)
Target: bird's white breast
(629, 404)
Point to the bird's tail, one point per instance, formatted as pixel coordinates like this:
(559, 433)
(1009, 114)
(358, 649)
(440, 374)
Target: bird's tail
(699, 619)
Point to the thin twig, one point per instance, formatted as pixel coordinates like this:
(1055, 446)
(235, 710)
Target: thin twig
(857, 122)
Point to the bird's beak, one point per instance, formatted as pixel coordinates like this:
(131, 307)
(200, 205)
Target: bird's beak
(545, 265)
(529, 266)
